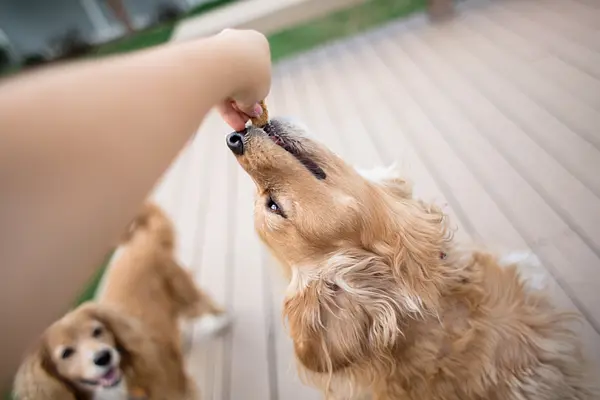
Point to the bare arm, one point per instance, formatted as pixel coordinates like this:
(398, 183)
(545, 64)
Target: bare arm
(82, 145)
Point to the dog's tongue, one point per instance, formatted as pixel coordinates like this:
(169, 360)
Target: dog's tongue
(109, 378)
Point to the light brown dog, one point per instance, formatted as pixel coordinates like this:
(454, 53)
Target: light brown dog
(381, 300)
(128, 344)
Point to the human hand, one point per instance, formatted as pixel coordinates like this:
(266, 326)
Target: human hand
(236, 115)
(252, 69)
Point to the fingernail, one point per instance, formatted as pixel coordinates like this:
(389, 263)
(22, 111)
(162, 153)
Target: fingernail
(257, 110)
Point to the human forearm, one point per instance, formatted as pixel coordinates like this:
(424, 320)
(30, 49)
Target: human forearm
(81, 108)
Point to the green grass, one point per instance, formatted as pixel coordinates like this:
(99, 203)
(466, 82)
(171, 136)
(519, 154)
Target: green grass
(90, 290)
(202, 8)
(340, 24)
(140, 40)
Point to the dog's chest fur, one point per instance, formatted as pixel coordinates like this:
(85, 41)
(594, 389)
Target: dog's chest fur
(119, 392)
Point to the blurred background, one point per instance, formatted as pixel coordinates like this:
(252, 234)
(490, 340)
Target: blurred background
(36, 32)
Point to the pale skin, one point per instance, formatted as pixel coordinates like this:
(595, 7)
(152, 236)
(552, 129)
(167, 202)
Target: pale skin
(82, 145)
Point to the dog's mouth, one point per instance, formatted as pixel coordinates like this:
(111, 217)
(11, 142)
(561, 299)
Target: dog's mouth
(111, 378)
(292, 146)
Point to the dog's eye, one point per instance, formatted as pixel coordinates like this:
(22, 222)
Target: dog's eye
(67, 352)
(274, 207)
(97, 332)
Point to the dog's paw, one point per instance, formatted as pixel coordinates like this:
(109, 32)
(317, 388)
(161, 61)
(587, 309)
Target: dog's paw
(213, 324)
(531, 270)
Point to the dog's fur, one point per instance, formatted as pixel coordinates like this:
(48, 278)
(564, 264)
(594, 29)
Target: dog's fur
(136, 319)
(381, 300)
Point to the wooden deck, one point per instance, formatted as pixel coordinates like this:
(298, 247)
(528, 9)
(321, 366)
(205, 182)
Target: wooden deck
(496, 113)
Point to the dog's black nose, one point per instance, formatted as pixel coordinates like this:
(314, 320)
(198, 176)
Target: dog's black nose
(103, 358)
(235, 142)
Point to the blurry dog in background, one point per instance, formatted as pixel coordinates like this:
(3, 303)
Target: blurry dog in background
(382, 303)
(128, 343)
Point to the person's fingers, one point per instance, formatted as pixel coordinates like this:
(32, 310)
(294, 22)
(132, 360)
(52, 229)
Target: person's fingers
(231, 116)
(253, 82)
(253, 110)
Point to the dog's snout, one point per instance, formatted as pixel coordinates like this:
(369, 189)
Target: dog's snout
(103, 358)
(235, 142)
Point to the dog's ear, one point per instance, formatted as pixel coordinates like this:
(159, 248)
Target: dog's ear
(389, 179)
(322, 343)
(152, 219)
(128, 332)
(38, 379)
(347, 313)
(140, 221)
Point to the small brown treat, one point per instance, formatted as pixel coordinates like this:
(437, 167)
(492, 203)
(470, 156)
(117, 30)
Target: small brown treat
(263, 119)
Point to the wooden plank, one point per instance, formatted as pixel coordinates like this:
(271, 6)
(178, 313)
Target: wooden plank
(574, 113)
(502, 36)
(571, 79)
(349, 127)
(570, 150)
(187, 210)
(576, 266)
(569, 198)
(586, 12)
(576, 54)
(592, 5)
(209, 361)
(430, 142)
(191, 196)
(168, 187)
(527, 211)
(249, 365)
(578, 83)
(570, 22)
(298, 84)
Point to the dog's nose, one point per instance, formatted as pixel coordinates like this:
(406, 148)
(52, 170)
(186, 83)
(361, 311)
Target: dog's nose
(235, 142)
(103, 358)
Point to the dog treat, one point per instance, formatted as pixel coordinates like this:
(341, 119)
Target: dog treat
(263, 119)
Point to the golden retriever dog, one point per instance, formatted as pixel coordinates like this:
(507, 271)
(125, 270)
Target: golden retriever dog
(382, 303)
(127, 345)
